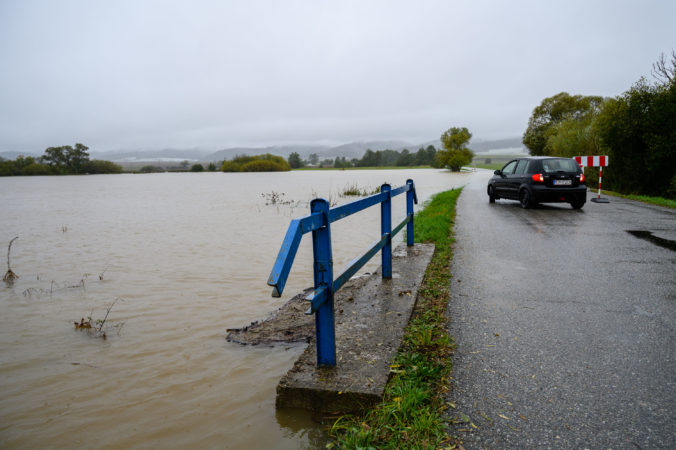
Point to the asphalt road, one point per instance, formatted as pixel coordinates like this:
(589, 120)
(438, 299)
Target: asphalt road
(565, 324)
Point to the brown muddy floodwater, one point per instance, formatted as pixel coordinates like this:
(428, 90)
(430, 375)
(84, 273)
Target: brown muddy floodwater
(186, 256)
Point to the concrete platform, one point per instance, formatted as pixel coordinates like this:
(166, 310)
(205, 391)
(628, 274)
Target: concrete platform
(369, 331)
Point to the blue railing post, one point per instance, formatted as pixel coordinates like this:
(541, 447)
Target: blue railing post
(386, 229)
(323, 277)
(409, 212)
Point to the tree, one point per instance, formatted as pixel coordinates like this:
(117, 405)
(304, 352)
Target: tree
(573, 137)
(211, 167)
(663, 71)
(77, 158)
(66, 159)
(197, 168)
(55, 156)
(313, 158)
(370, 159)
(294, 160)
(552, 111)
(638, 131)
(455, 153)
(455, 138)
(341, 163)
(405, 158)
(420, 157)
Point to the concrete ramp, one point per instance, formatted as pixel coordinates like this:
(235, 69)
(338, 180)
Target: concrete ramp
(369, 330)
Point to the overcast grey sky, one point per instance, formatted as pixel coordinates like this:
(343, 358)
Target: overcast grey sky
(214, 74)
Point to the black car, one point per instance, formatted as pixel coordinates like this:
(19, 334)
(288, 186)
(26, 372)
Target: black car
(539, 179)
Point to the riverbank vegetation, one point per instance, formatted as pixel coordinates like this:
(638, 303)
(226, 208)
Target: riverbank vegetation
(637, 130)
(258, 163)
(64, 160)
(411, 413)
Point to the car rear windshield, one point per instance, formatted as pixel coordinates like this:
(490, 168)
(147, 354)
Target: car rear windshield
(559, 165)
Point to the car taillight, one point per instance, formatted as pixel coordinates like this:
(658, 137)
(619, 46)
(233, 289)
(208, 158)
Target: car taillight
(581, 178)
(538, 178)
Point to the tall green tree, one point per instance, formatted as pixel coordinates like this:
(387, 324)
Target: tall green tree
(295, 161)
(56, 156)
(553, 111)
(574, 137)
(455, 153)
(66, 159)
(370, 159)
(405, 158)
(78, 158)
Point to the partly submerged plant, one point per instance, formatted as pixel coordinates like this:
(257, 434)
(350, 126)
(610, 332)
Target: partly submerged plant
(10, 276)
(97, 327)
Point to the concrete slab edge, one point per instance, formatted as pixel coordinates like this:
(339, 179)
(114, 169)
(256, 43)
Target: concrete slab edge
(369, 332)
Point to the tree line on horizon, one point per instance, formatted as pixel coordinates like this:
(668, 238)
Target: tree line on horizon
(370, 158)
(63, 160)
(454, 155)
(636, 129)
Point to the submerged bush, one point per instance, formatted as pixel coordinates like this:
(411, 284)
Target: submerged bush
(258, 163)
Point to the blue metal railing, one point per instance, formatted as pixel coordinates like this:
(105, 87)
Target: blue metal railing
(318, 222)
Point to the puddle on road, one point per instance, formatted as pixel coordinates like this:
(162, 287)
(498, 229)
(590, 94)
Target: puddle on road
(648, 236)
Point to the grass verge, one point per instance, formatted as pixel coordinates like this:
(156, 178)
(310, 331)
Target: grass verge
(659, 201)
(411, 413)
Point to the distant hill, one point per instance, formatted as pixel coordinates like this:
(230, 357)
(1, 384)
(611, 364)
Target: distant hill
(513, 144)
(357, 149)
(349, 150)
(498, 144)
(12, 155)
(280, 150)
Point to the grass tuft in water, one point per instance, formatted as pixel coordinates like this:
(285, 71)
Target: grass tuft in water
(354, 190)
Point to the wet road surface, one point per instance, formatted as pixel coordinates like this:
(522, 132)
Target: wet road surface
(565, 324)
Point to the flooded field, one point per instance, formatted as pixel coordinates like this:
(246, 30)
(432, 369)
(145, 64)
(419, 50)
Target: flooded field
(183, 257)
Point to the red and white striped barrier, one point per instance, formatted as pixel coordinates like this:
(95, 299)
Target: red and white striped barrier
(599, 161)
(592, 161)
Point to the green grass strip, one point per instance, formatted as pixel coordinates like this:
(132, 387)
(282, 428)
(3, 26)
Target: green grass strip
(411, 413)
(659, 201)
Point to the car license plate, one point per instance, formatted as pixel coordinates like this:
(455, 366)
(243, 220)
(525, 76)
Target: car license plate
(563, 182)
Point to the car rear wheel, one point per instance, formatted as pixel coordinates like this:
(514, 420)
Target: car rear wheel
(491, 194)
(577, 204)
(525, 199)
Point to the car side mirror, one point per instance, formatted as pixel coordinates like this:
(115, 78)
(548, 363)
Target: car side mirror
(498, 172)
